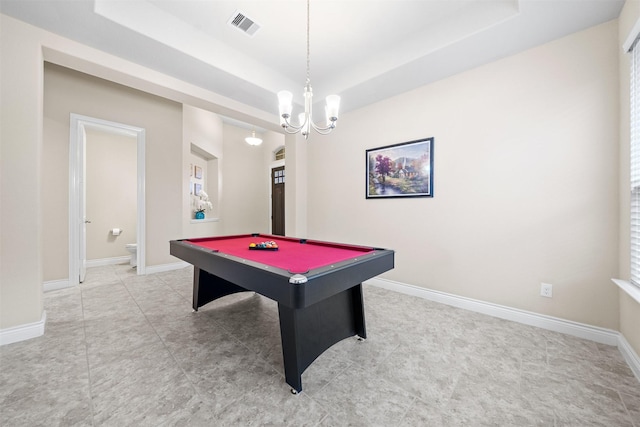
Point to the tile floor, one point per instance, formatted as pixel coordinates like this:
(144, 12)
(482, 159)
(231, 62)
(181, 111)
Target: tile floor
(124, 350)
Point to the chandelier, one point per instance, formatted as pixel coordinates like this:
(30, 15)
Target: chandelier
(305, 121)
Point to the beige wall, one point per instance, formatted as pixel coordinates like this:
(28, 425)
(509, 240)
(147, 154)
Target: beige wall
(629, 308)
(526, 181)
(111, 177)
(236, 179)
(67, 91)
(244, 205)
(20, 175)
(297, 183)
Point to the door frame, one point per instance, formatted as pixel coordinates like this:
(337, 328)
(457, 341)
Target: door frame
(281, 221)
(77, 141)
(272, 165)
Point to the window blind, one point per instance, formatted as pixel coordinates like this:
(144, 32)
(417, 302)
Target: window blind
(634, 119)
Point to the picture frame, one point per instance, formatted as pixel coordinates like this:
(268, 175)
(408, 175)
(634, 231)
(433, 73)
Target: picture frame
(198, 172)
(400, 170)
(197, 188)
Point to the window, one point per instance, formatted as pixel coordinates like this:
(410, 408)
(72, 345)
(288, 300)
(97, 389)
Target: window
(634, 119)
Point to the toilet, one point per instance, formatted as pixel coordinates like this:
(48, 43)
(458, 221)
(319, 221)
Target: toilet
(132, 248)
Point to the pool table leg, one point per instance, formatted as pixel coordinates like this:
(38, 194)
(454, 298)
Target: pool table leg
(208, 287)
(358, 315)
(307, 332)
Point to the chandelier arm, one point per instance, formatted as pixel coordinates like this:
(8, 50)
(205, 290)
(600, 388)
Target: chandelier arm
(289, 128)
(323, 130)
(292, 132)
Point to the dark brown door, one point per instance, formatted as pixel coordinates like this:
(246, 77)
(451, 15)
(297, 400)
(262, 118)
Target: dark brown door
(277, 201)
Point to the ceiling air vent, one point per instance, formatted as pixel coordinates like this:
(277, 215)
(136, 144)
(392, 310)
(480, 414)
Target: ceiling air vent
(245, 24)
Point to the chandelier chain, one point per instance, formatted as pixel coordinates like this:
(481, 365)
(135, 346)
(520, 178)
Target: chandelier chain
(308, 50)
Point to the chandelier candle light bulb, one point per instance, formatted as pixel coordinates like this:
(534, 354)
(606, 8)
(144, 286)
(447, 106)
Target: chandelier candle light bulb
(333, 105)
(285, 99)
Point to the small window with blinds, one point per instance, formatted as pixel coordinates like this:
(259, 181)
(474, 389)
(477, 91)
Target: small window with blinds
(634, 119)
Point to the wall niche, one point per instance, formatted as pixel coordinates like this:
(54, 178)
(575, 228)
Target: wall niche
(203, 177)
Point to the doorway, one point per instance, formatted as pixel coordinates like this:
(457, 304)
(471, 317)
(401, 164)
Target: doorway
(277, 200)
(77, 190)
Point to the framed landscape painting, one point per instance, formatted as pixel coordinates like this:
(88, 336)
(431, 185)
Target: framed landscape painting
(401, 170)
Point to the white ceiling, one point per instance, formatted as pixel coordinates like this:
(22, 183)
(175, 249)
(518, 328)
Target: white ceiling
(363, 50)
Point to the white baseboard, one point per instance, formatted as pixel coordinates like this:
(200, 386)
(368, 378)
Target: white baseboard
(23, 332)
(166, 267)
(54, 285)
(629, 355)
(581, 330)
(107, 261)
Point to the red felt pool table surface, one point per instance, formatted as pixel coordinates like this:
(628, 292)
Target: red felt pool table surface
(293, 255)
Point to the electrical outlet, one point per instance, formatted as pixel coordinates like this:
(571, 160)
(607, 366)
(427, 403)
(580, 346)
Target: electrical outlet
(546, 290)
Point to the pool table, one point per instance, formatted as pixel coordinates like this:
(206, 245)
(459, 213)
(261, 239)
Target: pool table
(317, 285)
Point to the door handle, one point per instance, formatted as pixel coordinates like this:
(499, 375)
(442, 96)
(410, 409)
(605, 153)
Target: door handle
(86, 221)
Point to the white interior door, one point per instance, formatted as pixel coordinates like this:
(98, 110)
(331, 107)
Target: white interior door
(82, 232)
